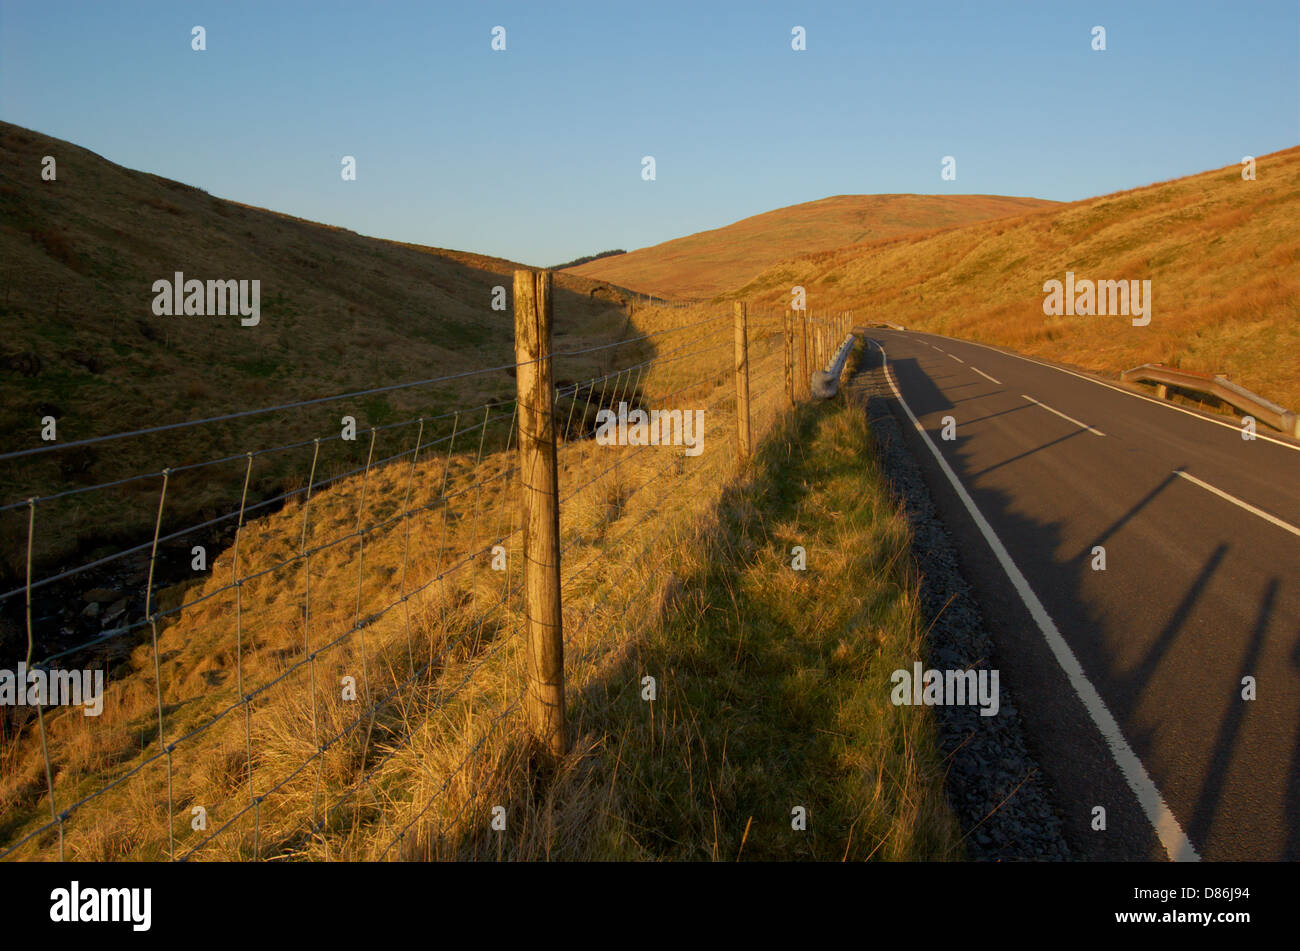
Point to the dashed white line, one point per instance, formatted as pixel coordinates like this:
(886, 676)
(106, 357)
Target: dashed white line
(1126, 392)
(957, 358)
(1095, 432)
(1286, 526)
(1178, 846)
(986, 376)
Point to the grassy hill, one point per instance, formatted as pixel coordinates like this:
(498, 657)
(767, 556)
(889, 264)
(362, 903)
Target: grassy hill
(1222, 255)
(711, 262)
(339, 313)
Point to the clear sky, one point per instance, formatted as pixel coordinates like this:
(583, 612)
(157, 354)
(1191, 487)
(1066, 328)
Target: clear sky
(534, 153)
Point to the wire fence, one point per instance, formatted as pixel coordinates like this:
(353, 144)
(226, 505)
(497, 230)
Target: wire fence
(337, 669)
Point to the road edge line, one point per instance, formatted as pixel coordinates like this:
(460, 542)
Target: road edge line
(1177, 845)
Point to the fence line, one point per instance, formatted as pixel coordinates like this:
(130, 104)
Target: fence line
(411, 619)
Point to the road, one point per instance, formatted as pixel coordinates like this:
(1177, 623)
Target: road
(1129, 678)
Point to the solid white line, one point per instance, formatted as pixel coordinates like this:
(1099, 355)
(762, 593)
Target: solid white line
(1236, 501)
(1235, 427)
(1165, 823)
(957, 358)
(1095, 432)
(986, 376)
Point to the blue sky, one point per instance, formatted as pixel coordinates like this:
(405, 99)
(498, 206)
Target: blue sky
(534, 153)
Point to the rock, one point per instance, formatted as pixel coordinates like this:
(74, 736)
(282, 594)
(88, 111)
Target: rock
(91, 609)
(99, 594)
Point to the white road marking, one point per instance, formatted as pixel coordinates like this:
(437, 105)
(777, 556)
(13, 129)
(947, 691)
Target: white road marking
(1119, 389)
(957, 358)
(1095, 432)
(1165, 823)
(986, 376)
(1287, 526)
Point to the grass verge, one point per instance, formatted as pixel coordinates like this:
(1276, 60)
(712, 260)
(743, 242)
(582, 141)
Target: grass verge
(773, 684)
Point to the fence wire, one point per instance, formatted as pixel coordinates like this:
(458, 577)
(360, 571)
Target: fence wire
(333, 667)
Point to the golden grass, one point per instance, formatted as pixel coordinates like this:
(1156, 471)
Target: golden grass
(445, 645)
(712, 262)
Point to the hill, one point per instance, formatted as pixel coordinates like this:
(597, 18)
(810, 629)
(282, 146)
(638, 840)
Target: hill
(708, 263)
(339, 312)
(1221, 254)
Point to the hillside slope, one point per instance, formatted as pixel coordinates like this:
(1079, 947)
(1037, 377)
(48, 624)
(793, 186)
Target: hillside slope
(339, 313)
(711, 262)
(338, 310)
(1221, 253)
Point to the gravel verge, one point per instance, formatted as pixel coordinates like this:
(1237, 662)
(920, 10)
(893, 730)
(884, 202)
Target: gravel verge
(993, 783)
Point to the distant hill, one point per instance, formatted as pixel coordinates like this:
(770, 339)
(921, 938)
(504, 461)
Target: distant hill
(588, 257)
(708, 263)
(1222, 255)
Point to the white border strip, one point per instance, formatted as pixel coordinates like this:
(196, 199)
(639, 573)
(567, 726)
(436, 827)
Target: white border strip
(1163, 821)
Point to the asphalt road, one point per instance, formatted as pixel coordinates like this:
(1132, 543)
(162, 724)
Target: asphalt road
(1130, 679)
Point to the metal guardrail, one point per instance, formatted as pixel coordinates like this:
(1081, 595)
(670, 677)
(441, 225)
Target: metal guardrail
(1220, 387)
(825, 383)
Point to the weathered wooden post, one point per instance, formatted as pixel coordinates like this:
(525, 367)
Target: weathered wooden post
(802, 352)
(789, 358)
(742, 381)
(539, 488)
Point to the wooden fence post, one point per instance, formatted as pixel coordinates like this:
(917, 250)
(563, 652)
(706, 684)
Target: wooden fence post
(801, 351)
(539, 488)
(742, 381)
(789, 358)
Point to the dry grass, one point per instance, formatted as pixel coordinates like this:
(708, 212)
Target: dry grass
(443, 647)
(671, 567)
